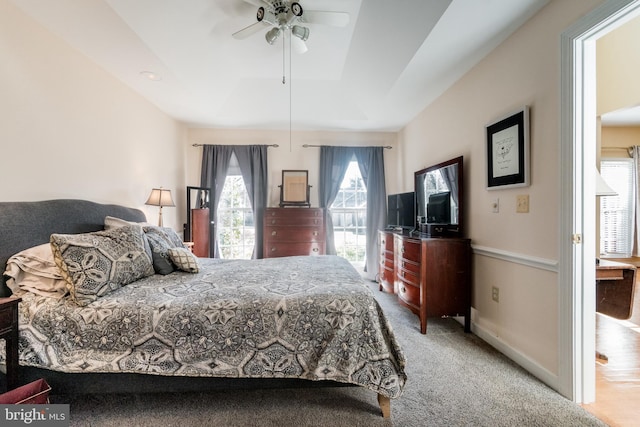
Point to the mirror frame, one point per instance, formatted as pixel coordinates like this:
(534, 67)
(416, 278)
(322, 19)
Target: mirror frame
(455, 229)
(294, 190)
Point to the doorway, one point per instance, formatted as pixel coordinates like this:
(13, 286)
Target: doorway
(577, 211)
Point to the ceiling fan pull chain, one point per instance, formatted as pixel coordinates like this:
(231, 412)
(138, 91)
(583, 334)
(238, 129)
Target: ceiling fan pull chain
(283, 66)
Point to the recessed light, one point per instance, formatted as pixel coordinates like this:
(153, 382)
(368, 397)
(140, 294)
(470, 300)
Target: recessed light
(151, 75)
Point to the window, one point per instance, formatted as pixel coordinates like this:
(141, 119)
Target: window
(349, 215)
(617, 212)
(235, 232)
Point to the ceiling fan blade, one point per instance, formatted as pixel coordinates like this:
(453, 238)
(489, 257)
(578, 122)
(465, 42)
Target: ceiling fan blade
(250, 30)
(334, 19)
(257, 3)
(298, 45)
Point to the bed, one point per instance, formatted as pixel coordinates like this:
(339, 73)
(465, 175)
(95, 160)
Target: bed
(213, 324)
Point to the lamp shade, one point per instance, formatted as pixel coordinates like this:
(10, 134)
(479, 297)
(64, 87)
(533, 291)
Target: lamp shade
(160, 197)
(602, 188)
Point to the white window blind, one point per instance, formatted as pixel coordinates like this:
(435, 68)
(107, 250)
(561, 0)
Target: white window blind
(617, 212)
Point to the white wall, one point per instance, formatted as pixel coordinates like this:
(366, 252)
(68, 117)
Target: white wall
(524, 70)
(68, 129)
(618, 68)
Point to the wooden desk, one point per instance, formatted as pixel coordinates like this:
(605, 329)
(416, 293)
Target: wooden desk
(615, 288)
(9, 331)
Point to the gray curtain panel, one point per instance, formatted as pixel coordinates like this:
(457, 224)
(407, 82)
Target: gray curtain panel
(253, 165)
(333, 166)
(252, 160)
(371, 164)
(334, 162)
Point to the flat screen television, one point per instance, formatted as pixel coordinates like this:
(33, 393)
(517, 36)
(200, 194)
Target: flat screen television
(401, 211)
(439, 208)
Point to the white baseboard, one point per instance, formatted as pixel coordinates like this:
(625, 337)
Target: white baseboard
(519, 358)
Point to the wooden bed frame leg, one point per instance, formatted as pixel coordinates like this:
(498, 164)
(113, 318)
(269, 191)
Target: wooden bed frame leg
(385, 405)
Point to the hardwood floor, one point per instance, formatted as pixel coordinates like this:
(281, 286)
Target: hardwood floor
(618, 378)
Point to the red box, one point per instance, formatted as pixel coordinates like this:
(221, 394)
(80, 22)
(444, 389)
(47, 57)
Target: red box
(34, 393)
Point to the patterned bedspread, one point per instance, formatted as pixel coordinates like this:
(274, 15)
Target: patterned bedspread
(296, 317)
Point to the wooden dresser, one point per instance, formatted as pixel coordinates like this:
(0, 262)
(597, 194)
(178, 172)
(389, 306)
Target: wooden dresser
(386, 272)
(293, 231)
(432, 276)
(200, 224)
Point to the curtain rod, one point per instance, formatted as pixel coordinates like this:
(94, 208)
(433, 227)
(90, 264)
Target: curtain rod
(310, 145)
(202, 145)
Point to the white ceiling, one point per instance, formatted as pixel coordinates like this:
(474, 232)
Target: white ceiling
(376, 74)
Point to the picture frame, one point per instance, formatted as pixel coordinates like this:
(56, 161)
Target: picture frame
(508, 151)
(294, 190)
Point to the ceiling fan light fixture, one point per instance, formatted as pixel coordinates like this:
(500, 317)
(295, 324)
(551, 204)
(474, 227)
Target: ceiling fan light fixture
(272, 35)
(300, 32)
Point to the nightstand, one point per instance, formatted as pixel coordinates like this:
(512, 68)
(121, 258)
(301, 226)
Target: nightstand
(9, 332)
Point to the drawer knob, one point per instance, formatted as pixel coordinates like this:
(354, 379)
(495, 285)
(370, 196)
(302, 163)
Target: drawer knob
(273, 249)
(315, 249)
(273, 221)
(273, 233)
(402, 273)
(403, 289)
(315, 233)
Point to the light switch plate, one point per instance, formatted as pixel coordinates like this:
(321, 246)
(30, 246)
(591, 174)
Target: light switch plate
(522, 203)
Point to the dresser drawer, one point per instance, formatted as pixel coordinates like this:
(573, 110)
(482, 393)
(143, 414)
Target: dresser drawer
(294, 216)
(386, 259)
(410, 250)
(294, 234)
(411, 266)
(409, 276)
(386, 279)
(409, 293)
(294, 213)
(278, 249)
(386, 241)
(302, 221)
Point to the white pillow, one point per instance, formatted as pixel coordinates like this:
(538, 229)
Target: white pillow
(34, 270)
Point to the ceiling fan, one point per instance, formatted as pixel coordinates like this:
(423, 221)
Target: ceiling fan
(284, 15)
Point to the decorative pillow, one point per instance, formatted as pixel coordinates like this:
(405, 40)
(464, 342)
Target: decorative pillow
(161, 239)
(34, 270)
(184, 259)
(111, 222)
(94, 264)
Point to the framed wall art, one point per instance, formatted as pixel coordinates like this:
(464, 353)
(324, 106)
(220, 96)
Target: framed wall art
(508, 151)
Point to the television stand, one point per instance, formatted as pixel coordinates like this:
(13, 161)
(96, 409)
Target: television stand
(430, 275)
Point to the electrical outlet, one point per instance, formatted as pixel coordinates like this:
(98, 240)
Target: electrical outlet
(522, 203)
(495, 205)
(495, 294)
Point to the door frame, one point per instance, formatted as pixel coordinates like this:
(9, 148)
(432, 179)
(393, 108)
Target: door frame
(577, 248)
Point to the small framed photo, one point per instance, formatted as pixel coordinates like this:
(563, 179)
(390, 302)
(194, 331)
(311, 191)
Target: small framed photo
(508, 151)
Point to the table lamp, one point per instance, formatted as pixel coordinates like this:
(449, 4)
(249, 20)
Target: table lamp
(160, 197)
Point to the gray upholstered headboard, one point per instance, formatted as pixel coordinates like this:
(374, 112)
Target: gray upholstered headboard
(27, 224)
